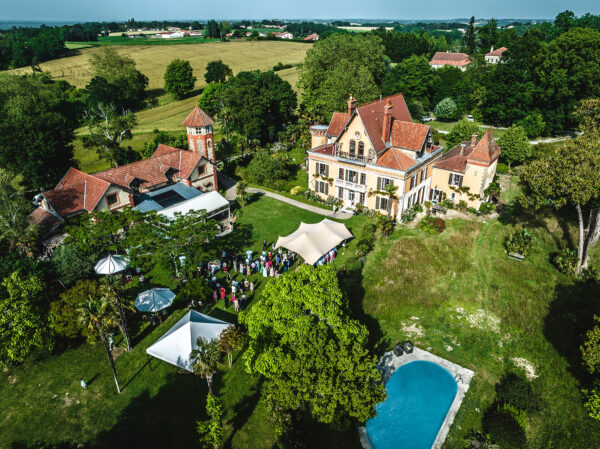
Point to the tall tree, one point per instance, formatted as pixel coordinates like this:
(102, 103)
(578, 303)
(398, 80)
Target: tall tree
(335, 68)
(179, 78)
(231, 339)
(37, 124)
(112, 291)
(413, 77)
(211, 431)
(488, 35)
(463, 130)
(205, 360)
(515, 145)
(217, 72)
(23, 320)
(313, 355)
(469, 44)
(16, 230)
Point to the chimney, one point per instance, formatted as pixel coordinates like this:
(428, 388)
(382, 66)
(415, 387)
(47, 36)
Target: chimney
(474, 140)
(351, 105)
(387, 121)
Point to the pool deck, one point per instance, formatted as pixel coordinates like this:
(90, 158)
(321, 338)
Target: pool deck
(389, 363)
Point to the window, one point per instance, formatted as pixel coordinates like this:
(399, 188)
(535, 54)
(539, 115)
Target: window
(112, 199)
(363, 179)
(413, 182)
(361, 198)
(209, 144)
(322, 187)
(436, 195)
(322, 169)
(340, 193)
(201, 170)
(455, 179)
(352, 146)
(382, 182)
(361, 149)
(381, 203)
(453, 196)
(351, 176)
(341, 173)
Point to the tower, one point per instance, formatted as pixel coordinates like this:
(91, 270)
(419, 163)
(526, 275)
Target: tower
(200, 133)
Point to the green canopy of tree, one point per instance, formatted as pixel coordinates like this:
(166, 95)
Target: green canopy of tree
(266, 167)
(217, 72)
(515, 145)
(231, 339)
(340, 66)
(313, 355)
(16, 230)
(24, 323)
(488, 35)
(445, 109)
(64, 312)
(469, 45)
(413, 77)
(260, 104)
(71, 264)
(212, 102)
(172, 139)
(211, 431)
(37, 124)
(205, 360)
(179, 78)
(463, 130)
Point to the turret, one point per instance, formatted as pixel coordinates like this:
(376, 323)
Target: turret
(200, 133)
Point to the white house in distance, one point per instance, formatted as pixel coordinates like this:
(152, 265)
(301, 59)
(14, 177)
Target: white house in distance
(493, 57)
(440, 59)
(284, 35)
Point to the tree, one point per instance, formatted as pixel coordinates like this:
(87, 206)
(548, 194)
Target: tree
(71, 264)
(533, 124)
(564, 21)
(260, 104)
(217, 72)
(488, 35)
(312, 354)
(515, 145)
(463, 130)
(266, 167)
(112, 292)
(212, 102)
(179, 78)
(241, 192)
(173, 139)
(413, 77)
(590, 350)
(121, 84)
(231, 339)
(211, 431)
(338, 66)
(96, 315)
(37, 124)
(64, 312)
(107, 131)
(445, 109)
(469, 44)
(385, 223)
(23, 320)
(569, 177)
(16, 230)
(205, 360)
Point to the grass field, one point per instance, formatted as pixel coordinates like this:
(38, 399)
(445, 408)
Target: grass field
(152, 60)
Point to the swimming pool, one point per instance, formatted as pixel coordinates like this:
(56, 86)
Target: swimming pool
(420, 394)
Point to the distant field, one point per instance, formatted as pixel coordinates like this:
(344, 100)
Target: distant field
(80, 45)
(152, 60)
(363, 29)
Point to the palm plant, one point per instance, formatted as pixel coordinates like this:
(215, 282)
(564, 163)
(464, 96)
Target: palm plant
(241, 192)
(97, 316)
(390, 191)
(205, 359)
(111, 290)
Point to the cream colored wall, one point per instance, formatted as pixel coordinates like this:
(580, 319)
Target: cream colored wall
(318, 140)
(355, 126)
(123, 199)
(476, 177)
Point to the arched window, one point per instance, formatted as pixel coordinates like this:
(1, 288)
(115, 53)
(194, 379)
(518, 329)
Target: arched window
(209, 144)
(352, 146)
(361, 148)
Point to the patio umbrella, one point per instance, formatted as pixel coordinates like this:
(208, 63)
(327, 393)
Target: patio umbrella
(154, 300)
(111, 265)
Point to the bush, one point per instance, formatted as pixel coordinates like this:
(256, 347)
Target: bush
(520, 416)
(472, 210)
(501, 168)
(516, 390)
(447, 204)
(461, 206)
(445, 109)
(533, 125)
(519, 241)
(280, 66)
(297, 190)
(432, 226)
(409, 214)
(71, 264)
(486, 208)
(503, 428)
(566, 261)
(266, 168)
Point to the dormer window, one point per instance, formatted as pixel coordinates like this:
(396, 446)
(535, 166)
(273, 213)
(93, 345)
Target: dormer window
(361, 149)
(352, 147)
(112, 199)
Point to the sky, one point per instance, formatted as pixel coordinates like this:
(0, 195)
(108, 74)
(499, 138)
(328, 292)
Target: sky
(119, 10)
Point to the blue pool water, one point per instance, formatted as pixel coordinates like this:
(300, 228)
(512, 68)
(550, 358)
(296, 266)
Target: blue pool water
(419, 397)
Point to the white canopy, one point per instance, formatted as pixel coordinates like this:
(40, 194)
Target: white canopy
(212, 202)
(312, 241)
(154, 300)
(178, 342)
(111, 265)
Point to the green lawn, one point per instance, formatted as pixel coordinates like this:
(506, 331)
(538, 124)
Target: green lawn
(456, 295)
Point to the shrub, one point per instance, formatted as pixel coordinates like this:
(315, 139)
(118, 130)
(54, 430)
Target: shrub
(297, 190)
(503, 428)
(533, 125)
(519, 241)
(432, 226)
(520, 416)
(409, 214)
(461, 206)
(71, 264)
(266, 168)
(501, 168)
(472, 210)
(280, 66)
(418, 208)
(447, 204)
(486, 208)
(514, 389)
(566, 261)
(445, 109)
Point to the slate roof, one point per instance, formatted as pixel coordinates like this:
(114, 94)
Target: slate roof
(198, 118)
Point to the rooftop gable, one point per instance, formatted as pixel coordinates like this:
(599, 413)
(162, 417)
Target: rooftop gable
(75, 192)
(198, 118)
(497, 52)
(409, 135)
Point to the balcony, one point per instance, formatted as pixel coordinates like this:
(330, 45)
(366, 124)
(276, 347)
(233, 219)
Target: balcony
(350, 185)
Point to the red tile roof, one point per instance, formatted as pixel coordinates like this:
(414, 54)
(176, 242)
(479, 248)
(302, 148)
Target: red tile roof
(164, 149)
(198, 118)
(312, 37)
(77, 191)
(395, 158)
(486, 149)
(408, 135)
(497, 52)
(46, 221)
(324, 149)
(453, 59)
(371, 115)
(337, 123)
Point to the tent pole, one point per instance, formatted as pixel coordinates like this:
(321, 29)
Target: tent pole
(149, 362)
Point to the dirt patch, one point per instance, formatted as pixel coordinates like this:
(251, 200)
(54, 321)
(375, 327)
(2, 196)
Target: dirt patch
(526, 366)
(117, 352)
(480, 319)
(12, 379)
(413, 329)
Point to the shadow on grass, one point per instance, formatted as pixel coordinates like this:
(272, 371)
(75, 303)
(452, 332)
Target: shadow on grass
(242, 410)
(570, 316)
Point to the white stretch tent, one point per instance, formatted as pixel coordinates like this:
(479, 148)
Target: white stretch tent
(212, 202)
(312, 241)
(111, 265)
(178, 342)
(154, 300)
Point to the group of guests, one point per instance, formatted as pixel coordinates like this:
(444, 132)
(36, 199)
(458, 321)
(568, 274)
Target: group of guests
(327, 257)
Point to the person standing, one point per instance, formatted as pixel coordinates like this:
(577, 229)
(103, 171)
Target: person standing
(271, 271)
(265, 273)
(111, 342)
(223, 295)
(236, 306)
(252, 287)
(246, 284)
